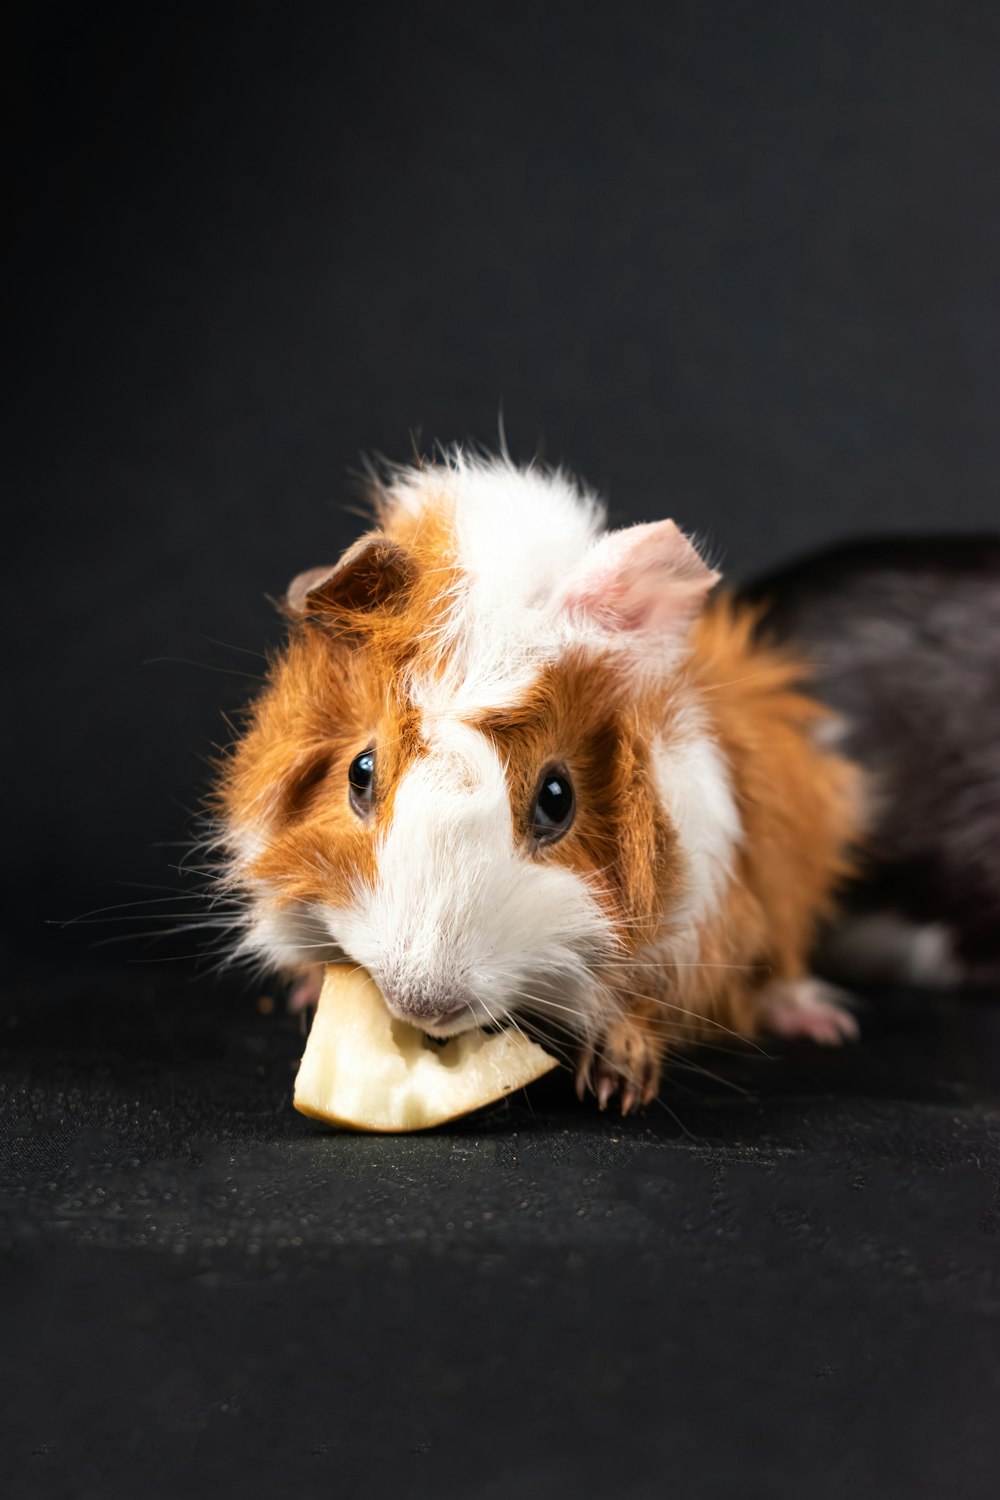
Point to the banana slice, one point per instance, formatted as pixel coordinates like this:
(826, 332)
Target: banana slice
(366, 1070)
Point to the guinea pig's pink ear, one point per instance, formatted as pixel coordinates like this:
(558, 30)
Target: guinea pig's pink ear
(375, 573)
(643, 578)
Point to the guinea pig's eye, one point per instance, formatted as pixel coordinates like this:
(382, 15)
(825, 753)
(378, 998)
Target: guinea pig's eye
(360, 777)
(555, 805)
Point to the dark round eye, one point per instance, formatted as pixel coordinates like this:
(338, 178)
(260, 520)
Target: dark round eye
(554, 805)
(360, 777)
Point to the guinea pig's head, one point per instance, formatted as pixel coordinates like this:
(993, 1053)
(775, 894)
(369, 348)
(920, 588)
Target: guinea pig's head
(448, 777)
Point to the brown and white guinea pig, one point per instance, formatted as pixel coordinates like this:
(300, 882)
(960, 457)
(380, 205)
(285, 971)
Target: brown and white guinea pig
(517, 765)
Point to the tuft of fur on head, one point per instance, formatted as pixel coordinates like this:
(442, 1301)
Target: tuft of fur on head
(513, 535)
(490, 628)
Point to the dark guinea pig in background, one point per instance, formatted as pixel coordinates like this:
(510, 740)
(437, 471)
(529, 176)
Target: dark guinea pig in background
(902, 636)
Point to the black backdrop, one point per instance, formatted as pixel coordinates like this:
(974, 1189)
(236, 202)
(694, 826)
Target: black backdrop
(735, 263)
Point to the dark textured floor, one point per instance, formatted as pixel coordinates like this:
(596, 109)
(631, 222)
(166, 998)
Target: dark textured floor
(206, 1293)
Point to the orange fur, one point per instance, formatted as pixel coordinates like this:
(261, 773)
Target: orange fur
(800, 806)
(334, 692)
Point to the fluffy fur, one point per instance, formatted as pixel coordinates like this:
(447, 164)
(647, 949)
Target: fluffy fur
(488, 629)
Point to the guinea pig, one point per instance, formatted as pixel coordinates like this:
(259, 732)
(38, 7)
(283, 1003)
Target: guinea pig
(519, 766)
(903, 639)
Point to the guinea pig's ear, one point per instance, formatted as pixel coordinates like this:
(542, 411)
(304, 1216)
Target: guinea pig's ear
(375, 573)
(643, 578)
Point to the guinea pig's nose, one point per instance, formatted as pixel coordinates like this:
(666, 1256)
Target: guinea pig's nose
(423, 1006)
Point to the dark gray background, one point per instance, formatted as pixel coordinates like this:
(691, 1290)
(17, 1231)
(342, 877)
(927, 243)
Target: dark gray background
(735, 263)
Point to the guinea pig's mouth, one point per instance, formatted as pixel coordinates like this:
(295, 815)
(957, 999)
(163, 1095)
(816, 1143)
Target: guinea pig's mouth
(439, 1019)
(443, 1028)
(438, 1040)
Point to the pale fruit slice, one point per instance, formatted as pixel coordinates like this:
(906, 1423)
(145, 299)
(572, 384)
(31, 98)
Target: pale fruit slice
(365, 1069)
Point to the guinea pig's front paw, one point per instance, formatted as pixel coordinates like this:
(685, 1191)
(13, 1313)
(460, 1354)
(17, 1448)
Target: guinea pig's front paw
(627, 1059)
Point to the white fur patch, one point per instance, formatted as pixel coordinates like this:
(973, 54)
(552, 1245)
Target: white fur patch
(284, 936)
(518, 530)
(459, 914)
(831, 732)
(693, 783)
(246, 842)
(517, 533)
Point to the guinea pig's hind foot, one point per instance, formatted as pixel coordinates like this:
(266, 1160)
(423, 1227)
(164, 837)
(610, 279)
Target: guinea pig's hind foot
(627, 1060)
(808, 1008)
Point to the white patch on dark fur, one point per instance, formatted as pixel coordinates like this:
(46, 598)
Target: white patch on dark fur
(459, 914)
(831, 733)
(886, 947)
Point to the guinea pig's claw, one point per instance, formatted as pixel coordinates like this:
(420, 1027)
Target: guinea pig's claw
(609, 1081)
(606, 1085)
(624, 1064)
(630, 1098)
